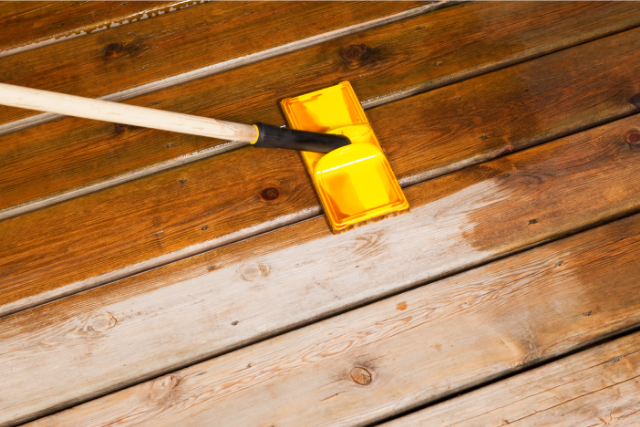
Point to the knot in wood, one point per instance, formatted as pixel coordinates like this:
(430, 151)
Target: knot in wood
(251, 272)
(101, 322)
(113, 48)
(270, 193)
(161, 390)
(361, 376)
(633, 138)
(635, 100)
(353, 54)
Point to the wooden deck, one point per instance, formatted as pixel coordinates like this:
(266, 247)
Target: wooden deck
(146, 280)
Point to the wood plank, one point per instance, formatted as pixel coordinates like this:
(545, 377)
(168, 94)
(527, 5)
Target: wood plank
(76, 156)
(599, 386)
(110, 234)
(121, 61)
(393, 355)
(33, 24)
(185, 312)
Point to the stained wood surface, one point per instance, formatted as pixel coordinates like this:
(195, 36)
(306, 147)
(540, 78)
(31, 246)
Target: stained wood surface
(76, 156)
(376, 361)
(599, 386)
(27, 25)
(413, 348)
(150, 51)
(151, 323)
(183, 211)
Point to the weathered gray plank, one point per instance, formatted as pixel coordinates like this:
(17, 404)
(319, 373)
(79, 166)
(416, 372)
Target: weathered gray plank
(599, 386)
(413, 348)
(179, 314)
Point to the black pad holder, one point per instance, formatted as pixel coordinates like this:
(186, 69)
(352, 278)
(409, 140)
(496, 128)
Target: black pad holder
(276, 137)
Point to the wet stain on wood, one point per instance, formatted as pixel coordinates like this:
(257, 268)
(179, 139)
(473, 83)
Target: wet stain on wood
(548, 179)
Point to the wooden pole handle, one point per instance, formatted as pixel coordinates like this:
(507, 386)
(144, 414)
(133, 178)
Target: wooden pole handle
(77, 106)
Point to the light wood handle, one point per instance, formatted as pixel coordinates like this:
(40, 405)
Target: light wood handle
(77, 106)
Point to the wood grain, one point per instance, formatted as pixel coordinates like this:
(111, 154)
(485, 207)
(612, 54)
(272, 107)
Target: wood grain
(28, 25)
(150, 51)
(76, 156)
(599, 386)
(408, 350)
(110, 234)
(185, 312)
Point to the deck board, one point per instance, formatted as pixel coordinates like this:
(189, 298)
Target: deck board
(416, 347)
(599, 386)
(160, 218)
(147, 324)
(145, 279)
(33, 24)
(77, 156)
(119, 62)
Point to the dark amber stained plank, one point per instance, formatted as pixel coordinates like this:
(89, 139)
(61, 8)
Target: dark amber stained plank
(148, 51)
(163, 217)
(76, 156)
(598, 386)
(29, 24)
(182, 313)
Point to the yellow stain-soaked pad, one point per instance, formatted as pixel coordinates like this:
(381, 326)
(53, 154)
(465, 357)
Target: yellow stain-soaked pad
(355, 183)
